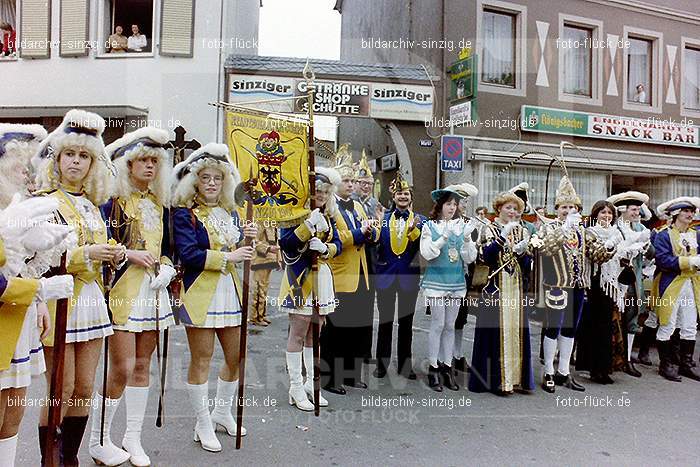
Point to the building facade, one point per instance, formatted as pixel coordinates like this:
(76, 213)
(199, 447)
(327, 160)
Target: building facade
(619, 80)
(69, 55)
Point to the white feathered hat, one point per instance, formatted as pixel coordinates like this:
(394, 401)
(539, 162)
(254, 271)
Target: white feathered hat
(184, 178)
(329, 176)
(79, 128)
(628, 198)
(673, 207)
(147, 141)
(18, 143)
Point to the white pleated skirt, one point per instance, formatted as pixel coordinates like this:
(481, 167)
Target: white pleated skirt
(143, 312)
(326, 295)
(88, 319)
(225, 309)
(28, 359)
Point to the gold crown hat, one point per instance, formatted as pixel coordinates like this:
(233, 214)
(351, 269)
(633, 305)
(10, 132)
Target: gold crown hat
(461, 190)
(628, 198)
(566, 194)
(399, 184)
(362, 169)
(343, 162)
(673, 207)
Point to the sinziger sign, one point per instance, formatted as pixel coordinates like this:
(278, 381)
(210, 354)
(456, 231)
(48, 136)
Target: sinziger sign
(567, 122)
(338, 98)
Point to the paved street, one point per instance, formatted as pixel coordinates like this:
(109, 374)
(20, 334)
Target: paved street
(646, 421)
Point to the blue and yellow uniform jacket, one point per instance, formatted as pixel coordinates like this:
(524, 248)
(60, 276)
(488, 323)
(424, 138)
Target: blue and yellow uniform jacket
(396, 255)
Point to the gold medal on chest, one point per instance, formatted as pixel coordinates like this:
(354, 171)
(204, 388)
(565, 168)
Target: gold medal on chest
(453, 254)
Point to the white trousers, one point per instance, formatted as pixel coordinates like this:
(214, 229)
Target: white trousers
(683, 317)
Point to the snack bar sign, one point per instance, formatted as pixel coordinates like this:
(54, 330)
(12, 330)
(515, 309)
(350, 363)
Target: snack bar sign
(338, 98)
(651, 130)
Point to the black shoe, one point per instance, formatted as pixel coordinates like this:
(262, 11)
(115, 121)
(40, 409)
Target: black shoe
(601, 378)
(460, 364)
(448, 377)
(408, 373)
(548, 383)
(567, 381)
(631, 370)
(340, 390)
(379, 372)
(667, 368)
(357, 384)
(434, 379)
(686, 368)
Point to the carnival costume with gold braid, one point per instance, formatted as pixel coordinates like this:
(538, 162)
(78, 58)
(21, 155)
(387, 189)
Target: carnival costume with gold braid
(77, 208)
(139, 221)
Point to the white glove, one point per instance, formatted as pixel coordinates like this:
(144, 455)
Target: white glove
(164, 277)
(572, 220)
(44, 236)
(53, 288)
(610, 243)
(315, 216)
(508, 228)
(694, 261)
(317, 245)
(521, 246)
(322, 225)
(469, 227)
(645, 236)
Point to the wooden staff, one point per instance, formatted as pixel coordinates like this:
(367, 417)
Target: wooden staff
(52, 454)
(248, 186)
(315, 318)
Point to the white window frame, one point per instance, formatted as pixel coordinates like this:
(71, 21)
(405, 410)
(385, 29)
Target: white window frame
(687, 42)
(520, 72)
(596, 27)
(102, 36)
(657, 70)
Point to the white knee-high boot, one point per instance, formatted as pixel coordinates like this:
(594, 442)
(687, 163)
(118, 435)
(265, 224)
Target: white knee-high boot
(8, 451)
(297, 394)
(203, 429)
(222, 416)
(107, 453)
(309, 384)
(136, 401)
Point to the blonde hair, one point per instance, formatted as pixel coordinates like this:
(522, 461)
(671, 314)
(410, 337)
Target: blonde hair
(185, 190)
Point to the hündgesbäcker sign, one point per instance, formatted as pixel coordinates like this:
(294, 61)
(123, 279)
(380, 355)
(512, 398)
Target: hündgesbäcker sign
(651, 130)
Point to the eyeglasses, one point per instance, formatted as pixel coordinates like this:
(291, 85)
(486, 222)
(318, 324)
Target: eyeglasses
(206, 179)
(364, 183)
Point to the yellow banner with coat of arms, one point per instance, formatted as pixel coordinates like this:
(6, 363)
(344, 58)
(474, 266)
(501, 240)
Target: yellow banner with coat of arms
(277, 152)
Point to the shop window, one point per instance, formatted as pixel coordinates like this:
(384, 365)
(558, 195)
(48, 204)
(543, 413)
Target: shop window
(501, 46)
(127, 27)
(8, 33)
(590, 185)
(691, 78)
(639, 71)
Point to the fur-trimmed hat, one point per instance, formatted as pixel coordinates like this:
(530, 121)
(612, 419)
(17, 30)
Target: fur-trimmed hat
(18, 143)
(628, 198)
(79, 128)
(507, 197)
(673, 207)
(185, 173)
(147, 141)
(461, 190)
(566, 194)
(328, 176)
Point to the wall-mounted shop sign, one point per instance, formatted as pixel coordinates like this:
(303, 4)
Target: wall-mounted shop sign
(652, 130)
(462, 78)
(338, 98)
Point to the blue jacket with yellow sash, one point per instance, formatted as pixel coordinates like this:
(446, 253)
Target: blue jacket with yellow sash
(296, 286)
(395, 256)
(16, 294)
(672, 270)
(202, 258)
(125, 222)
